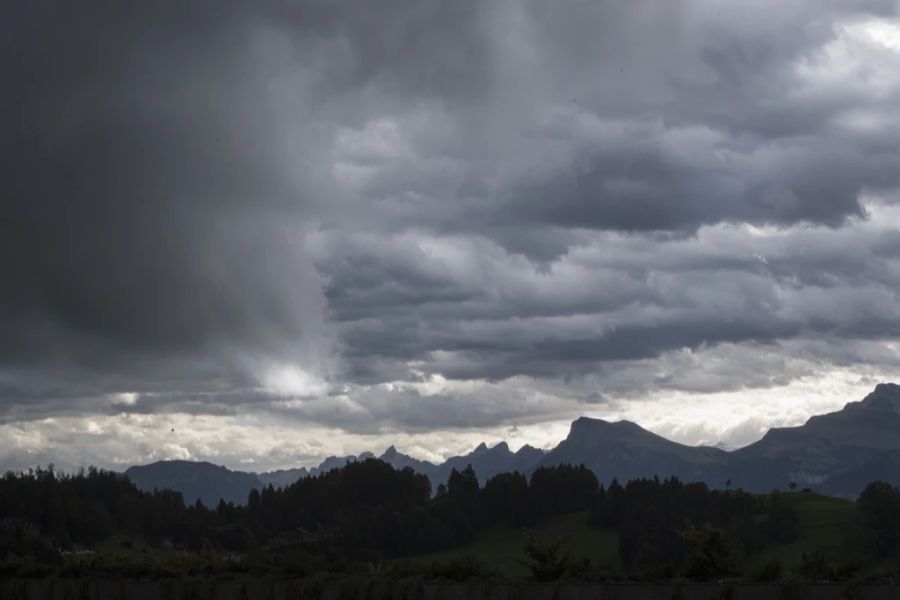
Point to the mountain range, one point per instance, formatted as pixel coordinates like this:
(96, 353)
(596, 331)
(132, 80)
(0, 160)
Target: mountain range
(837, 453)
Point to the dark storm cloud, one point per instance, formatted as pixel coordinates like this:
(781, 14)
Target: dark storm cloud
(155, 193)
(143, 200)
(715, 115)
(216, 207)
(487, 314)
(636, 184)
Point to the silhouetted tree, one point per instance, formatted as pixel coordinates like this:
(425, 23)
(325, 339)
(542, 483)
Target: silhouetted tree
(878, 514)
(562, 489)
(709, 553)
(506, 497)
(781, 523)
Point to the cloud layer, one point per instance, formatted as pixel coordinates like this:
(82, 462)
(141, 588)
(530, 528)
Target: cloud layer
(402, 219)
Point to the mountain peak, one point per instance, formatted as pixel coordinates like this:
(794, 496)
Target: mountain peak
(176, 464)
(529, 455)
(594, 422)
(482, 447)
(390, 452)
(588, 432)
(588, 424)
(884, 398)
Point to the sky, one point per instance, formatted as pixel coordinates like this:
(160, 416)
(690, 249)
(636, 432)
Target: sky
(264, 233)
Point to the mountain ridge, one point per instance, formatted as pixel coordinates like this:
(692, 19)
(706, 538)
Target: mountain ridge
(832, 452)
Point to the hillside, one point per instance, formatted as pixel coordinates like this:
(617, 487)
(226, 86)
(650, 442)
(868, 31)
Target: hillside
(838, 452)
(500, 547)
(825, 525)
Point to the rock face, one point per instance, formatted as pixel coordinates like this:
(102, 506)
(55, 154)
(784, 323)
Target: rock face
(837, 453)
(833, 452)
(884, 466)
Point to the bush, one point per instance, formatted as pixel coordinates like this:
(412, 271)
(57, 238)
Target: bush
(464, 568)
(772, 570)
(710, 554)
(547, 561)
(815, 567)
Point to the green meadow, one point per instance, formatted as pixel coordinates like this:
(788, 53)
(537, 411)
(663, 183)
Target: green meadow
(826, 525)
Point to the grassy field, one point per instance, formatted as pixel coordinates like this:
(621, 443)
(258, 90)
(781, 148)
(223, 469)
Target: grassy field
(500, 547)
(825, 524)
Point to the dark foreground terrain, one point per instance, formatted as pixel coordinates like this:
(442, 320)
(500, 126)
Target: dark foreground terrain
(371, 523)
(300, 590)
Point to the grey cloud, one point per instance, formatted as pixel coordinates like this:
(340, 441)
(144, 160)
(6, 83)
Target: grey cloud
(721, 118)
(483, 313)
(571, 196)
(144, 238)
(634, 183)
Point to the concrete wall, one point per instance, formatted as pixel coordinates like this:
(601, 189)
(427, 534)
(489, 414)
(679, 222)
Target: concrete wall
(300, 590)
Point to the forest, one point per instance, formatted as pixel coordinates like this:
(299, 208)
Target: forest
(368, 513)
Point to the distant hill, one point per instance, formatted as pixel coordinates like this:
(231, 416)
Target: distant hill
(195, 480)
(837, 453)
(282, 477)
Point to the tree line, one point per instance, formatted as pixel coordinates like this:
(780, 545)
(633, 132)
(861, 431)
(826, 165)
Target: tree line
(366, 510)
(370, 511)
